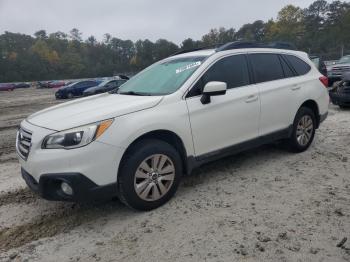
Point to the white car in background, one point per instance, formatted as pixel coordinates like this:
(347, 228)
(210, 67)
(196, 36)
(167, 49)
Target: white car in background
(174, 116)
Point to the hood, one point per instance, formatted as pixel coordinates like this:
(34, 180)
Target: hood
(91, 109)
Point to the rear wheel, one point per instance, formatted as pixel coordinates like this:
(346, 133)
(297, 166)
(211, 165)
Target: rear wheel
(149, 175)
(304, 128)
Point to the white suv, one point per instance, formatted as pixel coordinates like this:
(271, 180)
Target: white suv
(175, 115)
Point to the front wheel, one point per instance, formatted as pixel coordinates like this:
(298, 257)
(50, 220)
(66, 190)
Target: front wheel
(304, 128)
(149, 175)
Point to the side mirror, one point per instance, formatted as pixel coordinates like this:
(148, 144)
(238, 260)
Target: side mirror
(213, 89)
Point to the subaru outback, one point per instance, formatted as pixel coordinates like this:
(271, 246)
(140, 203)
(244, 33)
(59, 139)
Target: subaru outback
(177, 114)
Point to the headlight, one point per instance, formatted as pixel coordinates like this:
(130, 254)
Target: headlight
(76, 137)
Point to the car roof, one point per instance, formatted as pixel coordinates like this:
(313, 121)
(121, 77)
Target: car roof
(210, 52)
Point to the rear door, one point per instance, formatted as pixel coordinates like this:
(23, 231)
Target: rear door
(277, 98)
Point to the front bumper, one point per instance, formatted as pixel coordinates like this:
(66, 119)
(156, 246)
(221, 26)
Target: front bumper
(96, 163)
(58, 95)
(49, 187)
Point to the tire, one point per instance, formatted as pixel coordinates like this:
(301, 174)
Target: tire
(155, 185)
(302, 137)
(69, 95)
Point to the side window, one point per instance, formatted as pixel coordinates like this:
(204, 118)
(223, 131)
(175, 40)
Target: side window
(120, 82)
(83, 84)
(299, 65)
(232, 70)
(111, 84)
(92, 83)
(266, 67)
(288, 72)
(79, 84)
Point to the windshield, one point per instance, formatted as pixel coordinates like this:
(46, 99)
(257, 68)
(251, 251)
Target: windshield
(162, 78)
(344, 60)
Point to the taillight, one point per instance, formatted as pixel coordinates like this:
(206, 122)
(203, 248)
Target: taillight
(324, 80)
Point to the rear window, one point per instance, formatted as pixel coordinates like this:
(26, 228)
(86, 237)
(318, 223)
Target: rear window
(266, 67)
(288, 72)
(300, 67)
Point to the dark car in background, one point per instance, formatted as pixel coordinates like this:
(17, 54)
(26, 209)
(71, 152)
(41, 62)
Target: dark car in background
(43, 84)
(75, 89)
(7, 87)
(340, 92)
(56, 84)
(22, 85)
(105, 86)
(337, 70)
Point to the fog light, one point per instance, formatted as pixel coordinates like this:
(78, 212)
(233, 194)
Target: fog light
(67, 189)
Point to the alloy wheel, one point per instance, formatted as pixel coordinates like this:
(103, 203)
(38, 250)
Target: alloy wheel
(154, 177)
(305, 129)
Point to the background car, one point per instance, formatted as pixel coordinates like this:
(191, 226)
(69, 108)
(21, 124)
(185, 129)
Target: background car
(340, 93)
(43, 84)
(105, 86)
(319, 63)
(56, 84)
(341, 67)
(75, 89)
(330, 63)
(22, 85)
(7, 87)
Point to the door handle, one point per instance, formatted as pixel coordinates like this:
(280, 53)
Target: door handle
(296, 87)
(251, 98)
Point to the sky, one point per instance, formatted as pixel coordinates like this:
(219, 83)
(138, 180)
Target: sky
(174, 20)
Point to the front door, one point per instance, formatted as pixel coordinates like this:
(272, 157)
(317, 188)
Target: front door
(228, 119)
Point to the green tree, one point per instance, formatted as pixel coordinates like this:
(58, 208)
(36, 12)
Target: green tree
(75, 35)
(289, 26)
(41, 34)
(252, 32)
(219, 36)
(189, 44)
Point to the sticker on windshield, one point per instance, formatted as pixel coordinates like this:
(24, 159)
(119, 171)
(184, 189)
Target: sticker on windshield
(187, 67)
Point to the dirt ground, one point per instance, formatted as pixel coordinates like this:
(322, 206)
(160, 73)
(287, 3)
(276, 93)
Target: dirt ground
(263, 205)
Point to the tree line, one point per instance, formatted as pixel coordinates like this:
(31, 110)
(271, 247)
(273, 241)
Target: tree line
(323, 29)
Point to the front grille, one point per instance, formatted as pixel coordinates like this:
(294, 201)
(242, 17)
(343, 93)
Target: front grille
(341, 68)
(24, 142)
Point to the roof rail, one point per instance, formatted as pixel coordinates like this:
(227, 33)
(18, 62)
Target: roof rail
(240, 45)
(197, 49)
(247, 44)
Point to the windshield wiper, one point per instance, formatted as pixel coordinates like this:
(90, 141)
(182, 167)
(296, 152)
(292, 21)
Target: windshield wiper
(133, 93)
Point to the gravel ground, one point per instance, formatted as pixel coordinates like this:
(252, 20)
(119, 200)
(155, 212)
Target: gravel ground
(262, 205)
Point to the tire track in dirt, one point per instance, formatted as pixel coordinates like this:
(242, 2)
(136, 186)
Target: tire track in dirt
(2, 128)
(22, 195)
(59, 221)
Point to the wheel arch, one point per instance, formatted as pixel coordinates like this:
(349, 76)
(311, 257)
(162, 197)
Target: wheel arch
(312, 104)
(167, 136)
